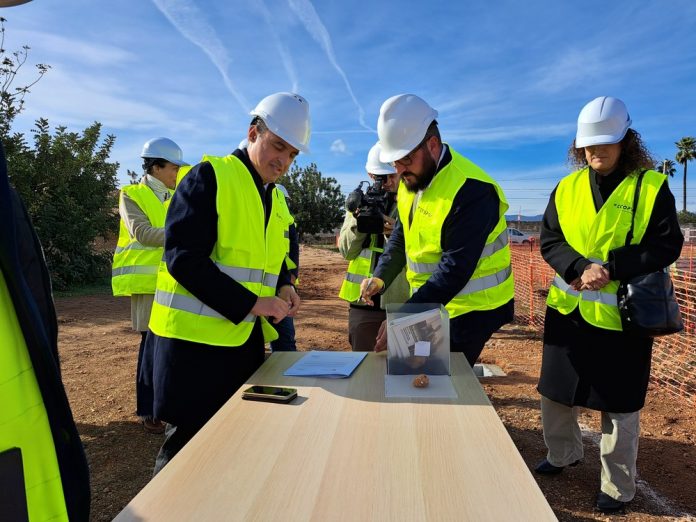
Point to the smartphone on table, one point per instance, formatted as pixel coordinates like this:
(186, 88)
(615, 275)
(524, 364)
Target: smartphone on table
(269, 393)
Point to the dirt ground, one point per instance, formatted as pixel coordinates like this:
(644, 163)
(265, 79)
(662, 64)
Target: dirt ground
(99, 352)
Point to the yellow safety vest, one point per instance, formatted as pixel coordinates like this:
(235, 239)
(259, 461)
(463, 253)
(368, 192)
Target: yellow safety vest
(247, 250)
(594, 234)
(24, 421)
(491, 285)
(290, 220)
(358, 269)
(182, 173)
(134, 269)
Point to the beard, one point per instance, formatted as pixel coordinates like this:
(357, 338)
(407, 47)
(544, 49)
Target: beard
(423, 179)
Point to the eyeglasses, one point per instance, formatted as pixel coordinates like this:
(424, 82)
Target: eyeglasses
(408, 158)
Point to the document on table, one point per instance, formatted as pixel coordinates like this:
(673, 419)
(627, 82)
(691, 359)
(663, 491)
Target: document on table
(318, 363)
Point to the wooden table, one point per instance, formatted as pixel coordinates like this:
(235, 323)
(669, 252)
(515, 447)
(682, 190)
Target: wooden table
(341, 451)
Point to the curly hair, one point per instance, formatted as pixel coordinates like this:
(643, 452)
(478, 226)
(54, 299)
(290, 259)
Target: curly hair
(634, 154)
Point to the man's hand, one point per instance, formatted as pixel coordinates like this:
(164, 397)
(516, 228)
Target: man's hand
(388, 225)
(381, 340)
(271, 307)
(288, 294)
(594, 277)
(369, 287)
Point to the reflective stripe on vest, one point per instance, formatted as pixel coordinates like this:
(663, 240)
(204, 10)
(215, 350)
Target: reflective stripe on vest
(176, 313)
(491, 285)
(24, 421)
(499, 243)
(595, 234)
(359, 269)
(134, 269)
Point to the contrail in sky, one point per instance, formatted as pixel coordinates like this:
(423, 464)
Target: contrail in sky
(282, 49)
(310, 19)
(190, 22)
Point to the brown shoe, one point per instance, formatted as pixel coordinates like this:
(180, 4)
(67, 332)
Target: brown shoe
(153, 426)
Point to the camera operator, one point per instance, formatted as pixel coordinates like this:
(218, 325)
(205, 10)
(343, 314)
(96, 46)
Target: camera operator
(365, 230)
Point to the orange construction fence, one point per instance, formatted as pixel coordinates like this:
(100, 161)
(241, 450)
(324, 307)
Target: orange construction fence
(674, 356)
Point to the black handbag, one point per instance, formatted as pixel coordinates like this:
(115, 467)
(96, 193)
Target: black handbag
(646, 302)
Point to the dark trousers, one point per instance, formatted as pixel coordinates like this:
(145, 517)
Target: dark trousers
(143, 387)
(472, 347)
(175, 438)
(286, 336)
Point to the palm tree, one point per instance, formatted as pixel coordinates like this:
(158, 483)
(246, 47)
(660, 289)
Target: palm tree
(686, 152)
(667, 167)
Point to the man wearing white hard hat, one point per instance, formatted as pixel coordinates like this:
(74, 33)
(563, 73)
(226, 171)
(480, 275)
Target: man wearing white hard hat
(363, 250)
(589, 360)
(224, 275)
(451, 234)
(140, 246)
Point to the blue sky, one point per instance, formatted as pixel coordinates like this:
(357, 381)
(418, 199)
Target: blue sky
(507, 77)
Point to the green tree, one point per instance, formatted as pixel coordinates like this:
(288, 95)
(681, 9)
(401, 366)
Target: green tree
(667, 167)
(12, 98)
(65, 180)
(686, 152)
(315, 201)
(686, 218)
(70, 190)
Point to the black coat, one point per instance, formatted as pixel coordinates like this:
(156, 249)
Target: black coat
(26, 275)
(191, 381)
(583, 365)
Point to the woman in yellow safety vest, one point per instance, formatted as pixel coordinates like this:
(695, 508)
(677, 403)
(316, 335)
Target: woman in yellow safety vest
(587, 359)
(143, 207)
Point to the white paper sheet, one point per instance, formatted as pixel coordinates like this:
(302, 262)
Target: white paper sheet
(318, 363)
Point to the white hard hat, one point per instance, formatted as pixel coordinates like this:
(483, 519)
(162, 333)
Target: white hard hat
(374, 166)
(165, 149)
(283, 190)
(401, 126)
(603, 121)
(287, 116)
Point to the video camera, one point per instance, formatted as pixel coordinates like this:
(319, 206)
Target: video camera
(369, 207)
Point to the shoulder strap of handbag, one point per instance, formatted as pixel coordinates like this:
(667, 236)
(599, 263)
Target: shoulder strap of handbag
(629, 236)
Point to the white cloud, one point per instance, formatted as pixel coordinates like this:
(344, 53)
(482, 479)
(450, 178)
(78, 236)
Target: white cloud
(71, 98)
(511, 133)
(86, 53)
(189, 20)
(310, 19)
(339, 147)
(285, 56)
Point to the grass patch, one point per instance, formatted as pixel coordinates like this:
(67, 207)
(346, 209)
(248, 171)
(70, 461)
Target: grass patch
(331, 248)
(100, 287)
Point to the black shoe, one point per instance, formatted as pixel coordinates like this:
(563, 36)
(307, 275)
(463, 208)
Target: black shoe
(546, 468)
(607, 504)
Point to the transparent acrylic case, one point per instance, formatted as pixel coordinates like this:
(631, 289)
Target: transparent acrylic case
(418, 339)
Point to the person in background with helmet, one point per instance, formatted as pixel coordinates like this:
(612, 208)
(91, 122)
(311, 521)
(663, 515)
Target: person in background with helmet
(140, 247)
(286, 327)
(363, 251)
(588, 360)
(451, 233)
(43, 468)
(223, 277)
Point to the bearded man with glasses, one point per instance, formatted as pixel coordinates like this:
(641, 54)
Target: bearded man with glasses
(451, 232)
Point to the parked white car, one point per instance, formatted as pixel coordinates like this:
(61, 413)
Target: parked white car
(517, 237)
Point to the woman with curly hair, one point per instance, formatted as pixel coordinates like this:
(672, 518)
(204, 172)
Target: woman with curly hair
(588, 361)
